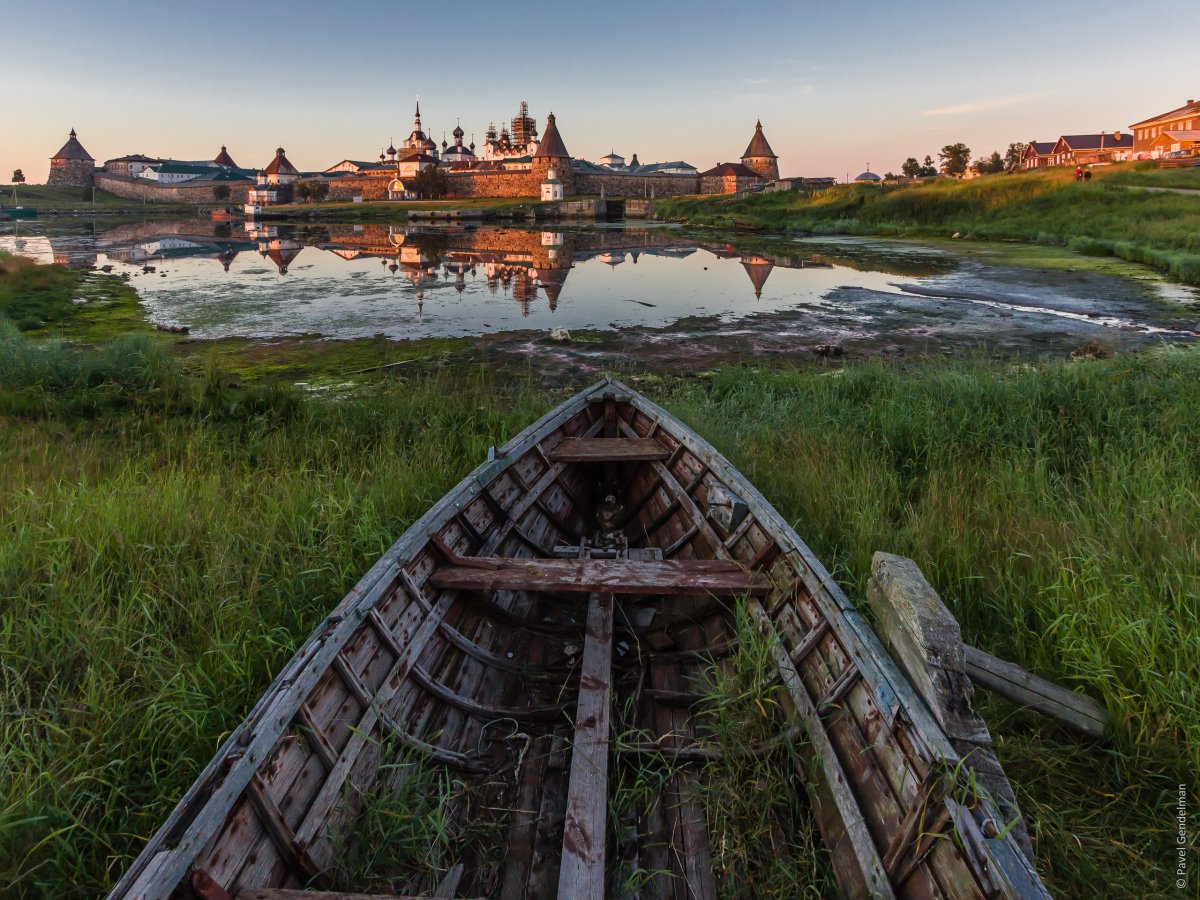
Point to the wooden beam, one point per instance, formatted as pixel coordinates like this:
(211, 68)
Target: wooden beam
(603, 449)
(1077, 711)
(923, 636)
(617, 576)
(585, 831)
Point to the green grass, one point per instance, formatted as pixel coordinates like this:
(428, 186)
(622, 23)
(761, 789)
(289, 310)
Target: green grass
(1101, 218)
(167, 541)
(1147, 174)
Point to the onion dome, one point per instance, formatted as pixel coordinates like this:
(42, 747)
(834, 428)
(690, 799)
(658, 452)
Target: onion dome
(458, 132)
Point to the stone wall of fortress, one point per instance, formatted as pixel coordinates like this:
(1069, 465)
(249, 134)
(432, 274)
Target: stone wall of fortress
(616, 184)
(143, 189)
(462, 185)
(528, 184)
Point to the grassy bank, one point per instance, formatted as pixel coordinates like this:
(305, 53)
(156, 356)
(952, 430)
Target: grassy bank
(169, 540)
(1105, 217)
(68, 302)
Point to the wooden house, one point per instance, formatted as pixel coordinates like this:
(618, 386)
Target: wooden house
(1038, 155)
(1146, 132)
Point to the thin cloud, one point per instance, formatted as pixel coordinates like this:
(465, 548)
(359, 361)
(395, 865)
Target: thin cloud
(757, 80)
(980, 105)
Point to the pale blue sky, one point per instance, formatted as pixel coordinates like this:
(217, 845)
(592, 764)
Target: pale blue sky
(836, 85)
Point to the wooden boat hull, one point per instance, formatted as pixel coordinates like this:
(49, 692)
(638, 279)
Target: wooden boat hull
(477, 643)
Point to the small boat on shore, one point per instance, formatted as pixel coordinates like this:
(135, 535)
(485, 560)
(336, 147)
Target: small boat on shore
(19, 212)
(587, 572)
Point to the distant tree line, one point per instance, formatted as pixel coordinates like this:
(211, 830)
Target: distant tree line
(955, 159)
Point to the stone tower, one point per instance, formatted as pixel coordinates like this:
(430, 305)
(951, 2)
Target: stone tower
(760, 157)
(72, 165)
(552, 153)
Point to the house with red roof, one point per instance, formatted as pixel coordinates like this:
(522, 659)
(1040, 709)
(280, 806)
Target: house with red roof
(1038, 155)
(1092, 149)
(729, 178)
(1146, 132)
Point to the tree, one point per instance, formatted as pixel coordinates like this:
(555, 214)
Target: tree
(300, 191)
(997, 162)
(955, 159)
(1014, 155)
(927, 167)
(18, 177)
(318, 190)
(989, 165)
(221, 193)
(911, 168)
(431, 183)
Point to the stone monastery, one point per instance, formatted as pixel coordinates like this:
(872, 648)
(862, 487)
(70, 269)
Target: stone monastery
(515, 161)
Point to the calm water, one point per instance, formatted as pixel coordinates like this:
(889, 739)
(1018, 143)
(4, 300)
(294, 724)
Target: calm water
(267, 280)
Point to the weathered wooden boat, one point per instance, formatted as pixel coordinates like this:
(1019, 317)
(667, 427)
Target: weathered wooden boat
(596, 554)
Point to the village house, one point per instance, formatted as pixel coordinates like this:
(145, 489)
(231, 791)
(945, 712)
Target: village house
(1092, 149)
(728, 178)
(1174, 141)
(1146, 133)
(1038, 155)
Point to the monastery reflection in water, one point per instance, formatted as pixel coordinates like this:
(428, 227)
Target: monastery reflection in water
(530, 266)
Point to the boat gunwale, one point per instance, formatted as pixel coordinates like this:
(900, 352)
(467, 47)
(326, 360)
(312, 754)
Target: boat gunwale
(159, 868)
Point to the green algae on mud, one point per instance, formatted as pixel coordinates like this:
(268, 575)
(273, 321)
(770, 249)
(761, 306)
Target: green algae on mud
(64, 302)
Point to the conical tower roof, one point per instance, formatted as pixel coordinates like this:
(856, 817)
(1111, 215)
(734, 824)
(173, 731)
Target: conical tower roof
(224, 159)
(552, 143)
(72, 149)
(758, 144)
(758, 269)
(281, 165)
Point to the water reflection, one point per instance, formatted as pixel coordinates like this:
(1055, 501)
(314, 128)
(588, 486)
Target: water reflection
(269, 280)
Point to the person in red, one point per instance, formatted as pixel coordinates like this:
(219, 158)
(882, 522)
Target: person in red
(1079, 173)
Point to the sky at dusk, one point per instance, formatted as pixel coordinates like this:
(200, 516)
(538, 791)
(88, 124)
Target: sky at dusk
(837, 85)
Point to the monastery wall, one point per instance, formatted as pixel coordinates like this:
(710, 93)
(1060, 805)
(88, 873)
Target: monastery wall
(494, 184)
(617, 184)
(345, 190)
(142, 189)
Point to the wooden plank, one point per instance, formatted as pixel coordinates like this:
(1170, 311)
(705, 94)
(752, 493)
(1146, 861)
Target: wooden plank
(605, 575)
(585, 832)
(604, 449)
(1078, 711)
(865, 875)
